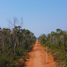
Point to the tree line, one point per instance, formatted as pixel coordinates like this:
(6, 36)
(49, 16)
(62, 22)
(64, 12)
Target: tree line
(15, 44)
(57, 43)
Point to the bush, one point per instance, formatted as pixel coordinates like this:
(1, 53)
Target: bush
(21, 52)
(4, 62)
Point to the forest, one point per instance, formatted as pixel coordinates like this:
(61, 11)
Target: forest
(56, 42)
(15, 44)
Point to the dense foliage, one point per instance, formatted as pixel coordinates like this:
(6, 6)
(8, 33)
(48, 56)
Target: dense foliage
(57, 43)
(14, 46)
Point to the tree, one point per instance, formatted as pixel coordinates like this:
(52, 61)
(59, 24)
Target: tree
(15, 29)
(42, 38)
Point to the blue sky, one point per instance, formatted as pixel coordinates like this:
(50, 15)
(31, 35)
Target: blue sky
(39, 16)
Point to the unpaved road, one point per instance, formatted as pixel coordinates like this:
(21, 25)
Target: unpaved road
(38, 57)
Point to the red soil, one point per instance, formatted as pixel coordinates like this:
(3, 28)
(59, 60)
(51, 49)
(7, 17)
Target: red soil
(38, 57)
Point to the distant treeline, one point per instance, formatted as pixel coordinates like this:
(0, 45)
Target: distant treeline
(57, 43)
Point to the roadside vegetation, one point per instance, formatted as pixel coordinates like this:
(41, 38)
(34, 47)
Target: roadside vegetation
(15, 44)
(57, 46)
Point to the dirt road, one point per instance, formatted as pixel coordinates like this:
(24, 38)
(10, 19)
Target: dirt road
(38, 57)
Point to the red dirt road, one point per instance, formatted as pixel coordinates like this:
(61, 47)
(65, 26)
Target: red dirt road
(38, 57)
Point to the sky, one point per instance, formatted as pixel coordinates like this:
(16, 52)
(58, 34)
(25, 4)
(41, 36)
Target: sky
(39, 16)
